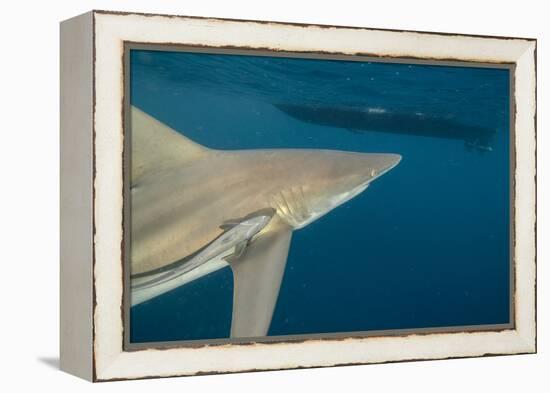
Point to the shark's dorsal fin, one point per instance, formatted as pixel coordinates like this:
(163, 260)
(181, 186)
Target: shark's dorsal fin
(157, 147)
(257, 276)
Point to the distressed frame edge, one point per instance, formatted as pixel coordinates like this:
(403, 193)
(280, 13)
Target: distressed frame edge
(524, 338)
(304, 24)
(298, 338)
(525, 209)
(76, 196)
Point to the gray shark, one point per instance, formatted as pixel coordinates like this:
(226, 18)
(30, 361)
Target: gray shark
(195, 210)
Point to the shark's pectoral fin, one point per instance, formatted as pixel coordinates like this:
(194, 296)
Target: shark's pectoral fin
(257, 276)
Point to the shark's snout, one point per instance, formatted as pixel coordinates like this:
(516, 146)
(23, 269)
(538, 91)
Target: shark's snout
(382, 163)
(363, 168)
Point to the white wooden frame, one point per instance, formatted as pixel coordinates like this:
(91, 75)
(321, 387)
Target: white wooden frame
(92, 89)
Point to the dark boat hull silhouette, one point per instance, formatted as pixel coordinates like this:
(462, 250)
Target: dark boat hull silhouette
(380, 120)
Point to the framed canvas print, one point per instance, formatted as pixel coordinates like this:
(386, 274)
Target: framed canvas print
(245, 195)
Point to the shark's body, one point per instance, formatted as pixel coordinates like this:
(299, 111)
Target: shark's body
(183, 195)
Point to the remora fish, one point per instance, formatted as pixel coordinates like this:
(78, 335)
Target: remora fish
(229, 244)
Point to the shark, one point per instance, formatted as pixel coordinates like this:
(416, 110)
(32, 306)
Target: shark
(195, 210)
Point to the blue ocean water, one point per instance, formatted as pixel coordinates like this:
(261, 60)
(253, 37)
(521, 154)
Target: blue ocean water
(426, 245)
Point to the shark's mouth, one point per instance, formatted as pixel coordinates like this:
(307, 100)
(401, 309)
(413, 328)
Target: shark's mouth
(343, 198)
(330, 204)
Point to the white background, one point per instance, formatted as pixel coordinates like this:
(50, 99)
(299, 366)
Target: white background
(29, 197)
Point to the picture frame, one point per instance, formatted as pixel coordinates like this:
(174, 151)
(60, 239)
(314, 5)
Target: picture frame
(95, 153)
